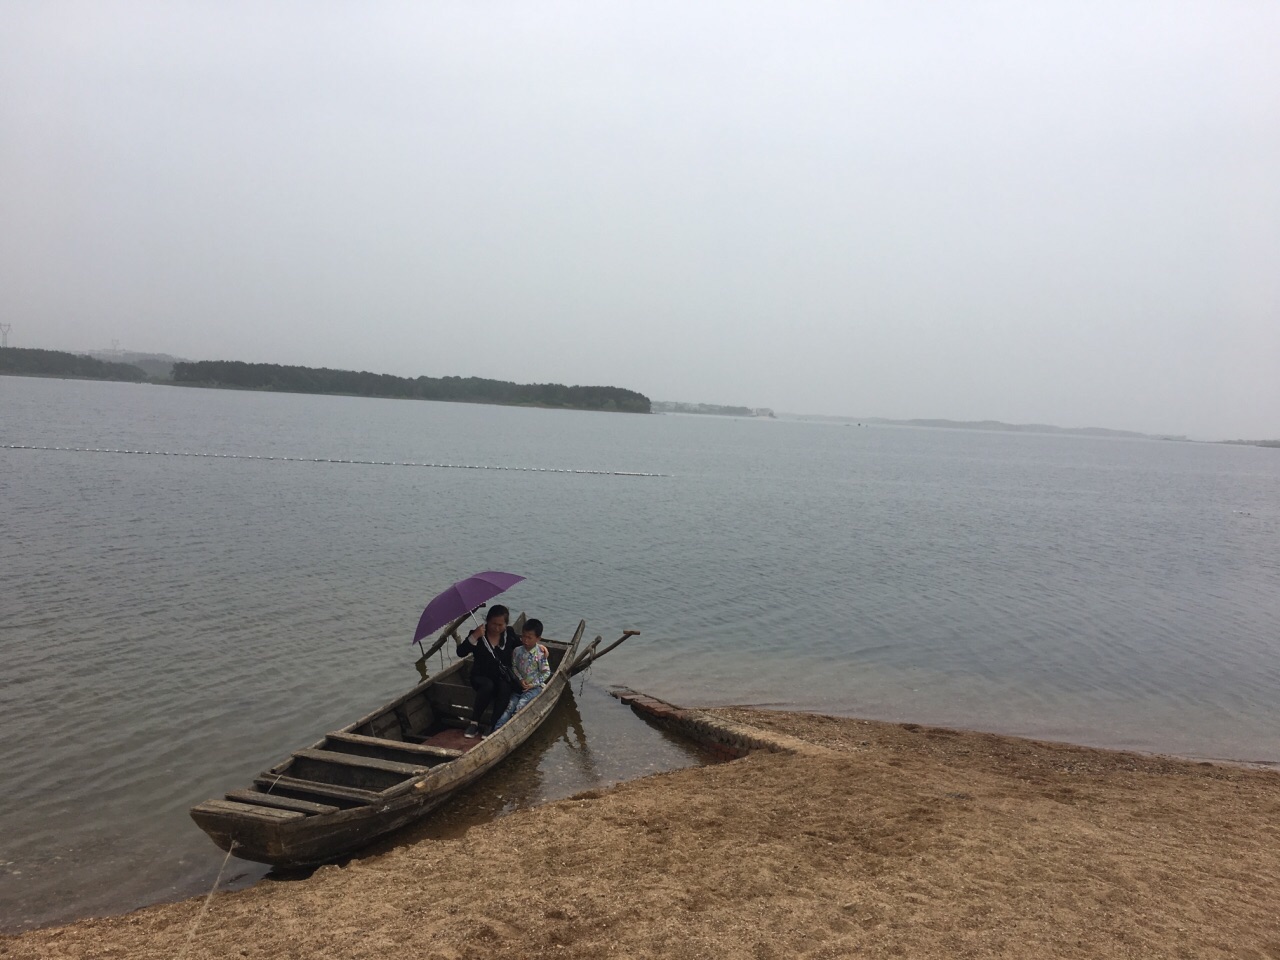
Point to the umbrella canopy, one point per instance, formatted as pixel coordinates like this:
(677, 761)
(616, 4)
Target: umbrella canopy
(462, 598)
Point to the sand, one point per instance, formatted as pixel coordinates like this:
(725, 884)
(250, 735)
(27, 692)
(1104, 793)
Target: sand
(876, 840)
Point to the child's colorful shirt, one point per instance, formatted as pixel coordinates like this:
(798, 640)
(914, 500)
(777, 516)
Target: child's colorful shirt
(531, 666)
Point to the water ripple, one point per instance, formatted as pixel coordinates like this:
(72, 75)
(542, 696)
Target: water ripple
(174, 624)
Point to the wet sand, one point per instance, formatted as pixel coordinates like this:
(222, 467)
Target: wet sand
(871, 840)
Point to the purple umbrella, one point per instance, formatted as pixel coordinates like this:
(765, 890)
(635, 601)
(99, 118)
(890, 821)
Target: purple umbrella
(463, 598)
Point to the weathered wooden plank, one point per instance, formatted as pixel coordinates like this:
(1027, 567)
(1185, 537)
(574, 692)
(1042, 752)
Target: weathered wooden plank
(617, 643)
(267, 814)
(366, 763)
(409, 750)
(405, 722)
(283, 803)
(418, 712)
(592, 654)
(584, 658)
(454, 670)
(287, 785)
(387, 726)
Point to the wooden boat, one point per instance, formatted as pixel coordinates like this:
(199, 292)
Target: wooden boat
(382, 772)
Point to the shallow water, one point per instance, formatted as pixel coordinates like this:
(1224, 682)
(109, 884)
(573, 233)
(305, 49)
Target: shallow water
(172, 625)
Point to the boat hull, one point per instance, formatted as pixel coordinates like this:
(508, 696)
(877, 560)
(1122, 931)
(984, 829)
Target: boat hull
(328, 801)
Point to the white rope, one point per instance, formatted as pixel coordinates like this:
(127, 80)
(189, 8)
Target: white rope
(273, 784)
(207, 900)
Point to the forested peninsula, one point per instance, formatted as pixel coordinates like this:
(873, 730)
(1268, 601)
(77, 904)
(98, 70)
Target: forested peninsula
(236, 375)
(271, 376)
(24, 362)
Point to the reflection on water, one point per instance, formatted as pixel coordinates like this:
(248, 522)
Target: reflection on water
(558, 761)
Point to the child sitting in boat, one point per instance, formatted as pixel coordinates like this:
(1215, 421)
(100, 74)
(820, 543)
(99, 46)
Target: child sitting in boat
(531, 668)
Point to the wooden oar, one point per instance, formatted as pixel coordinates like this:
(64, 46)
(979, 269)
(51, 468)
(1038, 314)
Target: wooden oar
(584, 657)
(591, 654)
(450, 631)
(617, 643)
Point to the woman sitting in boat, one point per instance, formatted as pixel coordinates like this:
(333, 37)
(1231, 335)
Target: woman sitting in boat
(531, 668)
(490, 648)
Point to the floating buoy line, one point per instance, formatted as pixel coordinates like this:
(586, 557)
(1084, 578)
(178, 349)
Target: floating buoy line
(362, 463)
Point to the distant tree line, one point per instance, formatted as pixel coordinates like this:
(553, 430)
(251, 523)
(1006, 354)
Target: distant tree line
(24, 362)
(709, 409)
(271, 376)
(1254, 443)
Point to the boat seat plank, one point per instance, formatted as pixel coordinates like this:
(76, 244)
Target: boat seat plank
(420, 749)
(367, 763)
(267, 814)
(283, 803)
(389, 726)
(316, 789)
(453, 695)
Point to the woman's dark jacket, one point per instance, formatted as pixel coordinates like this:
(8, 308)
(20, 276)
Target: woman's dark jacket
(494, 664)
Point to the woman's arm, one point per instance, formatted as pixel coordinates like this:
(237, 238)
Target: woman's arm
(463, 647)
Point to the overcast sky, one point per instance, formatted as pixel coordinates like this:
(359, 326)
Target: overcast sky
(1065, 213)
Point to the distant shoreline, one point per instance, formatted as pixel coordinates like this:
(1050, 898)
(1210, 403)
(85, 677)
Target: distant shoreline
(297, 393)
(363, 396)
(996, 426)
(323, 381)
(1274, 444)
(161, 369)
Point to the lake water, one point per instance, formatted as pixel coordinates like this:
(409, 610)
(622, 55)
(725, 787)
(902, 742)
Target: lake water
(170, 625)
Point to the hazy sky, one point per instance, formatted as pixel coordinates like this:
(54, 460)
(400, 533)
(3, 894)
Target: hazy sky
(1054, 212)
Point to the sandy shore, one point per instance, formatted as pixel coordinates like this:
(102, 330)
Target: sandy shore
(875, 840)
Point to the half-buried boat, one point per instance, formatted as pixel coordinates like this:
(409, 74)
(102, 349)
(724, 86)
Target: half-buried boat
(383, 771)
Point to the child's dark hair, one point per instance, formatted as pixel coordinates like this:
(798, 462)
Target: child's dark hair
(534, 627)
